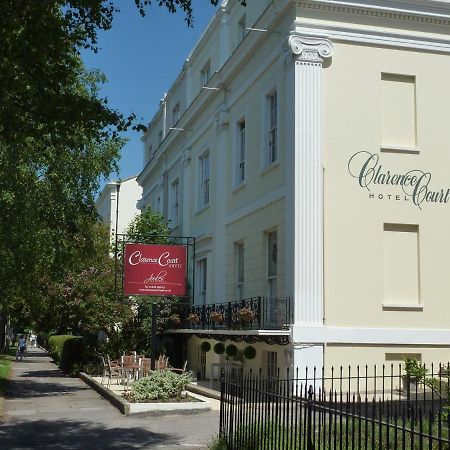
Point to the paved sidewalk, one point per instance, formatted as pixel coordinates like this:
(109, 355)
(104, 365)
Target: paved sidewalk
(46, 410)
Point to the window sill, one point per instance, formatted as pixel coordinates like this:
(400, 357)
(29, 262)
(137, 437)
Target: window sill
(399, 149)
(239, 187)
(402, 307)
(269, 168)
(203, 208)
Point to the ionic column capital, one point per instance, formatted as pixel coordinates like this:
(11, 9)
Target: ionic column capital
(312, 50)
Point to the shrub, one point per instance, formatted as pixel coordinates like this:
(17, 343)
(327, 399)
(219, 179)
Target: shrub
(231, 350)
(69, 352)
(206, 346)
(160, 385)
(219, 348)
(249, 352)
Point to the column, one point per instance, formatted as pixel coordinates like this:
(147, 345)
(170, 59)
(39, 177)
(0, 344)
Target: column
(306, 199)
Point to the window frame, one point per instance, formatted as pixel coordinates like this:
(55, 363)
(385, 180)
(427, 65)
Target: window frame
(204, 172)
(272, 278)
(240, 269)
(205, 73)
(174, 209)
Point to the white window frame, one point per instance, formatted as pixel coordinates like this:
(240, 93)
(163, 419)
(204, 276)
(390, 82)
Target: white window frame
(205, 73)
(202, 280)
(272, 277)
(272, 127)
(240, 269)
(204, 172)
(174, 210)
(240, 153)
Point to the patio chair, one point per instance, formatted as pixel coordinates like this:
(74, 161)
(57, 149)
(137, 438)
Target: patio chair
(174, 369)
(144, 366)
(112, 369)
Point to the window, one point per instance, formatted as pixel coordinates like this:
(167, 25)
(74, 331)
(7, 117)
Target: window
(202, 271)
(242, 28)
(240, 270)
(174, 202)
(204, 180)
(272, 123)
(240, 178)
(272, 260)
(149, 152)
(205, 74)
(176, 114)
(272, 365)
(160, 137)
(158, 208)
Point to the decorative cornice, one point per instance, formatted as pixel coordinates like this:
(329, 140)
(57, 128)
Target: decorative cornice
(310, 49)
(385, 10)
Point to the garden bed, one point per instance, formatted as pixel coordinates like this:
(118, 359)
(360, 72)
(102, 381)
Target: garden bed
(199, 403)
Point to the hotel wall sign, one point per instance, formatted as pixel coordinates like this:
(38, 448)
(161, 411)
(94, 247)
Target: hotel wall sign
(413, 185)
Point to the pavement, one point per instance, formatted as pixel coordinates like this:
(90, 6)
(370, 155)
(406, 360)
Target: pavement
(44, 409)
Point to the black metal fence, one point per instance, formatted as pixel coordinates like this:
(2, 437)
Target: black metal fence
(255, 313)
(365, 408)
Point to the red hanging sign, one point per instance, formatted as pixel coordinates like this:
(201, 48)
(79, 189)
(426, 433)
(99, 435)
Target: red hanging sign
(154, 270)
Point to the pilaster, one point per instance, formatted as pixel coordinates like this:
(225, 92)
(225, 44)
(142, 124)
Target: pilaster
(220, 174)
(309, 55)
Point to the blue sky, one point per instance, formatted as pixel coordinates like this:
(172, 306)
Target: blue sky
(141, 57)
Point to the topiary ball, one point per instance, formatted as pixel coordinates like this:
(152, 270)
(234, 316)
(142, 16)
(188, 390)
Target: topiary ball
(206, 346)
(219, 348)
(231, 350)
(249, 352)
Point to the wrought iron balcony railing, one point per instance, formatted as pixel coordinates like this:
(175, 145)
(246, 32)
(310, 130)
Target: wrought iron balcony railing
(256, 313)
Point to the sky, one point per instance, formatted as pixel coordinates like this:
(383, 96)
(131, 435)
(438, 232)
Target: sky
(141, 58)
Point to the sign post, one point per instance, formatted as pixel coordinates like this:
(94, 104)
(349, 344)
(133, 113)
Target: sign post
(157, 270)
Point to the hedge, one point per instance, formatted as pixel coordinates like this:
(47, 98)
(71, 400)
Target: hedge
(66, 351)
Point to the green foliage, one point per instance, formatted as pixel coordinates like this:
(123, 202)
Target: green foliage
(218, 443)
(414, 370)
(66, 351)
(148, 228)
(249, 352)
(206, 346)
(219, 348)
(231, 350)
(160, 385)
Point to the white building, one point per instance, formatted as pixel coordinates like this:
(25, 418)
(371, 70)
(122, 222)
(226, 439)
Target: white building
(122, 197)
(305, 145)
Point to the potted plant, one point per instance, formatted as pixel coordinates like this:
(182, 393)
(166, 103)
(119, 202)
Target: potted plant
(247, 314)
(249, 352)
(206, 346)
(231, 350)
(219, 348)
(216, 317)
(194, 318)
(175, 319)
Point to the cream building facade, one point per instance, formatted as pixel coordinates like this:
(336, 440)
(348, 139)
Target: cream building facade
(305, 145)
(117, 204)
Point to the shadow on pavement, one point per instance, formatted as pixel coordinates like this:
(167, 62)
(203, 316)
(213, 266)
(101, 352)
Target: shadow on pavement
(51, 373)
(62, 434)
(27, 388)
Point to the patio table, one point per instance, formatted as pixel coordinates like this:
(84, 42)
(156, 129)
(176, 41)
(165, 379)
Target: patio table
(226, 366)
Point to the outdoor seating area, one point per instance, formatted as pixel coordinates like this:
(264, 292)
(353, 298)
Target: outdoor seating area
(119, 374)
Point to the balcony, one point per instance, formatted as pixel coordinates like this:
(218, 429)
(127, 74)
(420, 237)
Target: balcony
(256, 313)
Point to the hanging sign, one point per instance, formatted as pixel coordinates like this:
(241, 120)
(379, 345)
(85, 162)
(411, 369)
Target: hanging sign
(154, 270)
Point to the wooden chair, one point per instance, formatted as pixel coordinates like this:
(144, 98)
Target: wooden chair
(112, 369)
(183, 370)
(144, 366)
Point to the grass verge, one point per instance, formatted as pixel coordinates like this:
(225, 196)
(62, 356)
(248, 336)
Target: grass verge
(5, 370)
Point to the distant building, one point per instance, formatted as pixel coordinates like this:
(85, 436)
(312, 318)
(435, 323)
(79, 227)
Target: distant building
(129, 195)
(305, 144)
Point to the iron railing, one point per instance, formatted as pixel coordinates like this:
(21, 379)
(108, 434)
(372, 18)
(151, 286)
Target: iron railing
(360, 409)
(256, 313)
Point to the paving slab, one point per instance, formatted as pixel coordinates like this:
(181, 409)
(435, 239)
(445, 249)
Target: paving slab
(44, 409)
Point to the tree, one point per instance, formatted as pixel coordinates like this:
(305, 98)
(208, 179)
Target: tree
(58, 138)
